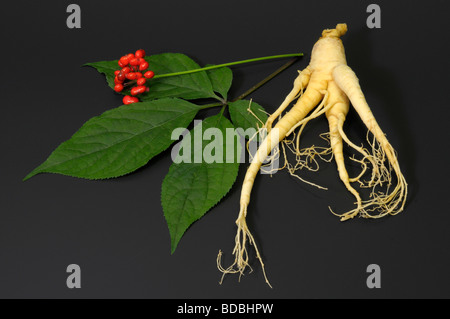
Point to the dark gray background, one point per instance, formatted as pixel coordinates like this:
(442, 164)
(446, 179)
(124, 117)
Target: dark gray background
(115, 229)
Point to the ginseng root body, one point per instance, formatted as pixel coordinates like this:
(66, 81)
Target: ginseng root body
(326, 86)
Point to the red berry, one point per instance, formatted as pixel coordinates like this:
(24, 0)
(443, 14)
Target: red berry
(124, 60)
(116, 80)
(143, 66)
(138, 90)
(130, 56)
(116, 72)
(149, 74)
(134, 62)
(141, 81)
(139, 53)
(131, 76)
(118, 87)
(121, 76)
(141, 88)
(126, 70)
(138, 75)
(133, 91)
(129, 99)
(121, 64)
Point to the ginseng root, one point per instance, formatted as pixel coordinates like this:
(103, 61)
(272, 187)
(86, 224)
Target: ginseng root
(326, 86)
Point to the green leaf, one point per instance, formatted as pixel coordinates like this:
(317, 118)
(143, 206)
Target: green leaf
(120, 140)
(189, 190)
(221, 80)
(247, 114)
(189, 86)
(107, 68)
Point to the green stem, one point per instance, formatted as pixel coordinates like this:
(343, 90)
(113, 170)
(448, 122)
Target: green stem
(265, 80)
(158, 76)
(256, 86)
(208, 106)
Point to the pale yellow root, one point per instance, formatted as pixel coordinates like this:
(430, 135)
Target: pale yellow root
(300, 83)
(342, 86)
(305, 103)
(240, 251)
(366, 156)
(336, 117)
(305, 157)
(327, 73)
(393, 200)
(302, 163)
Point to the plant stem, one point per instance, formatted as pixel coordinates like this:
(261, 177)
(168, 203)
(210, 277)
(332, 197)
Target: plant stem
(158, 76)
(255, 87)
(265, 80)
(207, 106)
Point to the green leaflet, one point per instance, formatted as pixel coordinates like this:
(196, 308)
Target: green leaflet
(120, 140)
(189, 86)
(241, 117)
(189, 190)
(221, 80)
(107, 68)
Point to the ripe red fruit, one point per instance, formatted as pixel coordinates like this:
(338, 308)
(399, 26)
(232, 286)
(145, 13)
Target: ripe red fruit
(121, 64)
(126, 70)
(133, 91)
(143, 66)
(129, 99)
(141, 81)
(131, 76)
(116, 72)
(130, 56)
(134, 62)
(139, 53)
(116, 80)
(149, 74)
(138, 90)
(138, 75)
(124, 60)
(141, 88)
(118, 87)
(121, 76)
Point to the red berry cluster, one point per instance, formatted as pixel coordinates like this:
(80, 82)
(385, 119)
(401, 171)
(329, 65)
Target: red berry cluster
(131, 67)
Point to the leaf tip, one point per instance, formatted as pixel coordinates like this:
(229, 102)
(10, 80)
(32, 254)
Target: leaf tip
(173, 246)
(30, 175)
